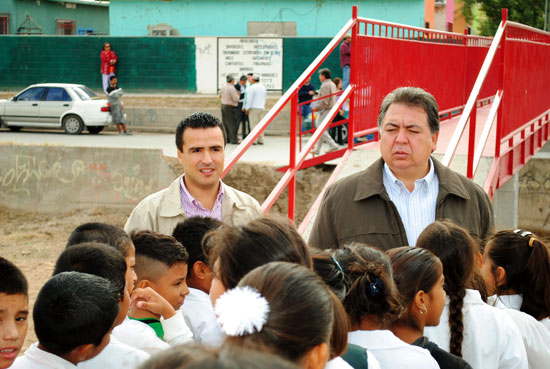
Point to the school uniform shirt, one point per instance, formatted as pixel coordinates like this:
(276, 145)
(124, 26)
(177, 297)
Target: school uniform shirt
(199, 316)
(36, 358)
(391, 352)
(337, 363)
(142, 336)
(359, 357)
(514, 302)
(491, 339)
(116, 355)
(536, 337)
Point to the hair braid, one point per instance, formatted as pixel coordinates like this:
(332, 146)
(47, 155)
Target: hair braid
(455, 321)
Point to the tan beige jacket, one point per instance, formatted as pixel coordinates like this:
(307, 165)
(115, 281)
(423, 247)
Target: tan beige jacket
(162, 211)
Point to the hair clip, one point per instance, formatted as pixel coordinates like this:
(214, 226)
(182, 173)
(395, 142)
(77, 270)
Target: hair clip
(337, 264)
(523, 232)
(241, 311)
(375, 287)
(532, 241)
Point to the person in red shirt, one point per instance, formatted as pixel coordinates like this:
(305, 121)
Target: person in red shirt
(345, 56)
(108, 61)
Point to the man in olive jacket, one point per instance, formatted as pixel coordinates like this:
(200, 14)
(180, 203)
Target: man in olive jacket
(393, 200)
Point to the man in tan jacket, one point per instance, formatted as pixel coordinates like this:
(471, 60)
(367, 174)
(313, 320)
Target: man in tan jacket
(200, 139)
(230, 100)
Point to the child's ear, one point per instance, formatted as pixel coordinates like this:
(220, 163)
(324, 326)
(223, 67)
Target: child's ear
(201, 270)
(500, 277)
(479, 259)
(317, 357)
(144, 283)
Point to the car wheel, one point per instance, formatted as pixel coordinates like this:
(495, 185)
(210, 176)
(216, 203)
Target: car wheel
(73, 125)
(15, 128)
(95, 129)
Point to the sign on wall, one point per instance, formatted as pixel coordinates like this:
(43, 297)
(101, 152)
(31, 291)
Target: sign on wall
(262, 56)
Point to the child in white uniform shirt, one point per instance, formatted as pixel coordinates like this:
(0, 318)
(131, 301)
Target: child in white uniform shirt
(73, 316)
(107, 262)
(482, 335)
(516, 268)
(197, 309)
(372, 305)
(154, 321)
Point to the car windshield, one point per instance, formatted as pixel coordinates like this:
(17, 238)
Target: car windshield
(85, 93)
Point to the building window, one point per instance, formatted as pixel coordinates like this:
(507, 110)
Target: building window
(4, 24)
(66, 27)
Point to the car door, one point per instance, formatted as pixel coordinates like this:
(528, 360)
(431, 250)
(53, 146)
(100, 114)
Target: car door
(56, 102)
(24, 108)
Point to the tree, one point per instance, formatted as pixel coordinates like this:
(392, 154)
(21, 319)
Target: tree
(529, 12)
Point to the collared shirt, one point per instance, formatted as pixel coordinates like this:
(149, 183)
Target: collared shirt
(193, 207)
(36, 358)
(199, 315)
(230, 95)
(256, 95)
(416, 208)
(116, 355)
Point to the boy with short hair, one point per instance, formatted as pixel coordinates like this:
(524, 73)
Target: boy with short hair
(73, 316)
(114, 93)
(197, 309)
(110, 235)
(14, 311)
(107, 262)
(154, 321)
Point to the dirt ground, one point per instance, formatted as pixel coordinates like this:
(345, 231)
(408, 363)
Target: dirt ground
(34, 240)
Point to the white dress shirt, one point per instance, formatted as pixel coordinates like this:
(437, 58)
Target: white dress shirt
(199, 315)
(391, 352)
(256, 95)
(139, 335)
(514, 302)
(35, 358)
(491, 339)
(535, 335)
(416, 208)
(116, 355)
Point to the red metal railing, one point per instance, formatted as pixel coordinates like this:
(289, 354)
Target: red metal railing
(387, 55)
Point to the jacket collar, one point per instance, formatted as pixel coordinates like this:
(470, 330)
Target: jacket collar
(372, 184)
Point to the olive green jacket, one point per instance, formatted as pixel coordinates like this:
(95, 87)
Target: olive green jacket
(358, 209)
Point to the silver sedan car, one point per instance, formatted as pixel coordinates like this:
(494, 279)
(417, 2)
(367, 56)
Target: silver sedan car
(56, 105)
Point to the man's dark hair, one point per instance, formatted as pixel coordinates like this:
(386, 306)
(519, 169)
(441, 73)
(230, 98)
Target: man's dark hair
(250, 74)
(325, 72)
(243, 78)
(97, 259)
(190, 233)
(154, 250)
(74, 309)
(112, 77)
(198, 120)
(229, 78)
(13, 279)
(102, 233)
(412, 96)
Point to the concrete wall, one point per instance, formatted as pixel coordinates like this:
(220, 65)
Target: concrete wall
(51, 178)
(46, 12)
(534, 194)
(319, 18)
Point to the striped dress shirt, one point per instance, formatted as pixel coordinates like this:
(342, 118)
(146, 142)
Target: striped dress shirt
(193, 207)
(416, 208)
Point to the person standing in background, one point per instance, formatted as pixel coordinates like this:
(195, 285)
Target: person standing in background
(242, 118)
(108, 61)
(255, 103)
(230, 99)
(345, 57)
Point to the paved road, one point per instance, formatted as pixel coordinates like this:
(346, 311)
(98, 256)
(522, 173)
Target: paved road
(275, 151)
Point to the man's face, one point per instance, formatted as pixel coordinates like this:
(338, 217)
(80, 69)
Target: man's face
(347, 40)
(406, 141)
(173, 285)
(202, 157)
(249, 77)
(113, 82)
(321, 77)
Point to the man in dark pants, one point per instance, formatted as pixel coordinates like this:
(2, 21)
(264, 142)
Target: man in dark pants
(230, 99)
(242, 118)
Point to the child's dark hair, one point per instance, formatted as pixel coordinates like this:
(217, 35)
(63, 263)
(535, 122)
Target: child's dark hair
(198, 120)
(454, 246)
(202, 357)
(300, 310)
(97, 259)
(74, 309)
(370, 287)
(326, 267)
(526, 260)
(238, 250)
(102, 233)
(112, 77)
(190, 233)
(154, 247)
(414, 269)
(13, 279)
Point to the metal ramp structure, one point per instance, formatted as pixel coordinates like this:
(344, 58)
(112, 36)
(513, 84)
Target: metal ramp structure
(491, 92)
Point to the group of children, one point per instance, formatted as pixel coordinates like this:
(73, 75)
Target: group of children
(256, 296)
